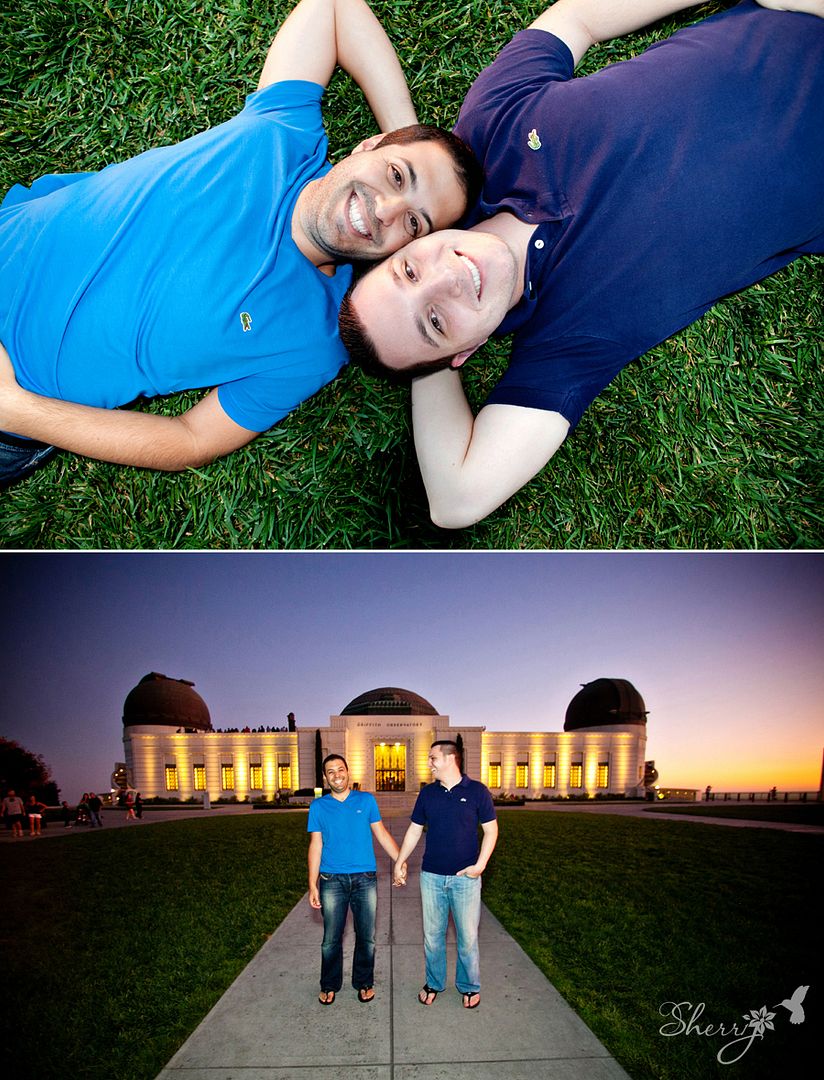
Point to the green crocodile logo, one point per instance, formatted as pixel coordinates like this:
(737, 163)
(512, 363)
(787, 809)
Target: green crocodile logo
(245, 321)
(533, 142)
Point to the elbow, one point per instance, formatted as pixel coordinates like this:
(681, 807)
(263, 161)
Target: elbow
(454, 514)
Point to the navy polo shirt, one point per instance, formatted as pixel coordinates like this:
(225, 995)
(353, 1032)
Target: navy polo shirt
(452, 818)
(657, 186)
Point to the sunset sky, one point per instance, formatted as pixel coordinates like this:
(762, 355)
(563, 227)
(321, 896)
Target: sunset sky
(725, 648)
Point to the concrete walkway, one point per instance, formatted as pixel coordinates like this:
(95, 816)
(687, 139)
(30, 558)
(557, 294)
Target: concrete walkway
(269, 1025)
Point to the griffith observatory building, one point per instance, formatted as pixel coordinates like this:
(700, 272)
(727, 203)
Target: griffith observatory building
(172, 750)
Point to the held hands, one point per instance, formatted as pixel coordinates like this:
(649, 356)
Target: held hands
(399, 876)
(474, 871)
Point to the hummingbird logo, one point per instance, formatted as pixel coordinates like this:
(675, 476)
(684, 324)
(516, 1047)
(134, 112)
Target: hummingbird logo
(794, 1005)
(533, 141)
(245, 321)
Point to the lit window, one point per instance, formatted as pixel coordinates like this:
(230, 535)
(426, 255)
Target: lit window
(575, 775)
(522, 774)
(549, 774)
(602, 776)
(171, 778)
(227, 777)
(285, 777)
(256, 777)
(200, 777)
(495, 774)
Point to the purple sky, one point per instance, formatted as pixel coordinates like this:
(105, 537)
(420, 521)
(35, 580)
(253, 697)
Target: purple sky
(725, 648)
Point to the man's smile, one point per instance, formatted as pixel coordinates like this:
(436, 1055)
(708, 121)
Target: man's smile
(356, 218)
(473, 271)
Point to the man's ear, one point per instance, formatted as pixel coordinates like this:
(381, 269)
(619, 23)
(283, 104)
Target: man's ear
(368, 144)
(460, 358)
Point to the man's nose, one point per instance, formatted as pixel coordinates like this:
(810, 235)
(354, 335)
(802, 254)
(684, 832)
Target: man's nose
(446, 275)
(388, 208)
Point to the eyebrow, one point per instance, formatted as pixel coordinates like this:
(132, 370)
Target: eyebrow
(421, 327)
(413, 182)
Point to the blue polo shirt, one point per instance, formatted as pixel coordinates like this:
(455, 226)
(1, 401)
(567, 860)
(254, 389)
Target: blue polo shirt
(346, 828)
(177, 269)
(658, 185)
(452, 818)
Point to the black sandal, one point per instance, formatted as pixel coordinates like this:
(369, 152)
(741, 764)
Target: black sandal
(329, 1000)
(365, 990)
(471, 994)
(426, 991)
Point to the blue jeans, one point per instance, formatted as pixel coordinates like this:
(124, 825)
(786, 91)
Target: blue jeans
(19, 457)
(338, 893)
(440, 894)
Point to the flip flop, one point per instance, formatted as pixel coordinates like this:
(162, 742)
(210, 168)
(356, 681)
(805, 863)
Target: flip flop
(365, 990)
(426, 991)
(329, 1000)
(468, 997)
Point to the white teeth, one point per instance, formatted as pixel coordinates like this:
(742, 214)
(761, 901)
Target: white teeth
(355, 217)
(475, 272)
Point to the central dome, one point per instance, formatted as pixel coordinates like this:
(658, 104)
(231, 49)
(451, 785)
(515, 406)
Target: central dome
(389, 700)
(159, 700)
(603, 703)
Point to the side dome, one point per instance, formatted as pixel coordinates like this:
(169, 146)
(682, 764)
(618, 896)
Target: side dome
(603, 703)
(160, 701)
(388, 700)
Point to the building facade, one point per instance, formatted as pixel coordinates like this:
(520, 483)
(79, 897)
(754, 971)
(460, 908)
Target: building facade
(172, 750)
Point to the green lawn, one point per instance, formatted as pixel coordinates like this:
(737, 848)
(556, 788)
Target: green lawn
(118, 942)
(625, 914)
(713, 440)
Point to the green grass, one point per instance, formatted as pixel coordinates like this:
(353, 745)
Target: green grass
(712, 440)
(623, 915)
(117, 943)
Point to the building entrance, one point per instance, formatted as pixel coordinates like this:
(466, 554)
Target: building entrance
(390, 767)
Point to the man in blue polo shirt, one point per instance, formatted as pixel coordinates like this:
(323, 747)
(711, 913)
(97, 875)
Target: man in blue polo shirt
(617, 208)
(216, 262)
(451, 808)
(343, 875)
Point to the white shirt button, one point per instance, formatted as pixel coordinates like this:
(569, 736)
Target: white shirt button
(539, 244)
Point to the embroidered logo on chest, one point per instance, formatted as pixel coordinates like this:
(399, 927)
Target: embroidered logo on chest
(533, 141)
(245, 321)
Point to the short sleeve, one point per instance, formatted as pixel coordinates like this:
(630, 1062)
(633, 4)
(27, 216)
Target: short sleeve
(312, 824)
(374, 812)
(419, 811)
(564, 375)
(292, 95)
(486, 807)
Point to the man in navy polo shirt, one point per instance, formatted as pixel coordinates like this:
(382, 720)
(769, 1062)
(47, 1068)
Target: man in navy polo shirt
(343, 875)
(617, 208)
(451, 808)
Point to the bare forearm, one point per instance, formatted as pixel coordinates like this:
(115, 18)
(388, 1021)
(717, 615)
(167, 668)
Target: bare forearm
(314, 864)
(443, 424)
(386, 841)
(409, 842)
(366, 53)
(490, 839)
(581, 23)
(125, 438)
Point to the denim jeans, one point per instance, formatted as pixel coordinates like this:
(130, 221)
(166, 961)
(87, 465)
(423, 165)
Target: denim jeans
(440, 894)
(19, 457)
(338, 893)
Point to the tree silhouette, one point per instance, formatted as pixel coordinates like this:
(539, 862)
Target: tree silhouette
(26, 773)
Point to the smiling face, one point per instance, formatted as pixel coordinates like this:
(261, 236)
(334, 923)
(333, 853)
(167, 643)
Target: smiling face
(439, 297)
(377, 200)
(337, 776)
